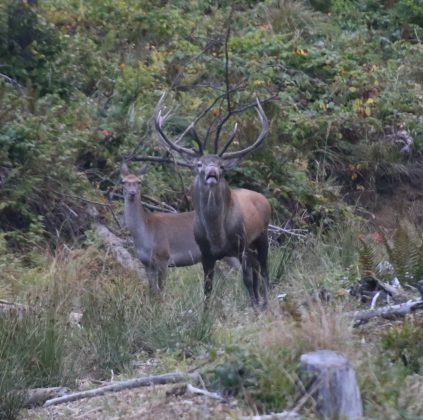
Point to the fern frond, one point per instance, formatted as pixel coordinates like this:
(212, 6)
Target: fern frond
(416, 263)
(402, 253)
(367, 258)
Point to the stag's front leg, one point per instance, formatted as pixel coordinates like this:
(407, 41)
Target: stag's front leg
(208, 267)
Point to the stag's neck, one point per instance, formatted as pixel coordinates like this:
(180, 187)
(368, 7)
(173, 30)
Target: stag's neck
(213, 205)
(135, 220)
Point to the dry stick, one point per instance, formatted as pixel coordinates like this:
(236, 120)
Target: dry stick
(198, 391)
(96, 203)
(301, 233)
(166, 378)
(160, 159)
(164, 206)
(284, 415)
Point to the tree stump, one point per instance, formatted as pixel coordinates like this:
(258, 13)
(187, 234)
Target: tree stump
(330, 380)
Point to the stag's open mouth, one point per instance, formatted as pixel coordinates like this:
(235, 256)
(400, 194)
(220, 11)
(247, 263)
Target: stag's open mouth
(211, 179)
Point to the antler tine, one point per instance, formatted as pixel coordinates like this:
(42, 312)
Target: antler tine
(259, 140)
(159, 119)
(230, 140)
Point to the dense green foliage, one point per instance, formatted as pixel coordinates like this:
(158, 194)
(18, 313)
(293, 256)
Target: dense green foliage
(79, 82)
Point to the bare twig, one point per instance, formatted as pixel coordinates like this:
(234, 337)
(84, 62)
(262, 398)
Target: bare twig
(198, 391)
(164, 206)
(284, 415)
(227, 84)
(159, 159)
(300, 233)
(12, 81)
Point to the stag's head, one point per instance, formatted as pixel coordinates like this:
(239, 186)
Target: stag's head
(210, 168)
(131, 183)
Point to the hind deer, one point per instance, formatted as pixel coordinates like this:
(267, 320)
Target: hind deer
(161, 240)
(228, 222)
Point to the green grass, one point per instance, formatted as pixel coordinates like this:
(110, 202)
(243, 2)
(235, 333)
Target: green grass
(252, 357)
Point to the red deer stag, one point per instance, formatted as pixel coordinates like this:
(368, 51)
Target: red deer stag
(161, 240)
(227, 223)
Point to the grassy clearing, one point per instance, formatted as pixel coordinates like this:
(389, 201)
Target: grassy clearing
(251, 357)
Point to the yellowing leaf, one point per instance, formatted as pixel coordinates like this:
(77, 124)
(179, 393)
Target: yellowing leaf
(302, 52)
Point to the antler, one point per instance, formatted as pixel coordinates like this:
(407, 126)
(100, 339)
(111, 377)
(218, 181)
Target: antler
(160, 119)
(259, 140)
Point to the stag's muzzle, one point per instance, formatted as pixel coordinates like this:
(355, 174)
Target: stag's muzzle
(212, 175)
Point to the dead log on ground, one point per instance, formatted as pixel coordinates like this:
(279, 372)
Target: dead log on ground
(117, 248)
(166, 378)
(330, 380)
(388, 312)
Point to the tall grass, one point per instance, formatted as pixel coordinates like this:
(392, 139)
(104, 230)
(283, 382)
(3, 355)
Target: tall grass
(251, 356)
(32, 354)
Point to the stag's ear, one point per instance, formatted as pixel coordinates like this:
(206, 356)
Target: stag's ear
(230, 163)
(124, 171)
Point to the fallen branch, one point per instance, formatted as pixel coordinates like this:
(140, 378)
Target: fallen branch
(11, 308)
(389, 312)
(166, 378)
(117, 248)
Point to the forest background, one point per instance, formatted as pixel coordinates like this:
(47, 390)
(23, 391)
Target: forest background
(341, 82)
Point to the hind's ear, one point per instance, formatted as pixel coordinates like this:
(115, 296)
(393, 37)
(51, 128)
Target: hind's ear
(143, 170)
(124, 171)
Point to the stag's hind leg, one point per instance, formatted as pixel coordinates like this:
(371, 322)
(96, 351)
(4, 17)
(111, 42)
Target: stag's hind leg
(248, 263)
(262, 247)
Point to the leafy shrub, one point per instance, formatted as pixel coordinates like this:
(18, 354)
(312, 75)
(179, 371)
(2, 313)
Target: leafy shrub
(404, 344)
(262, 378)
